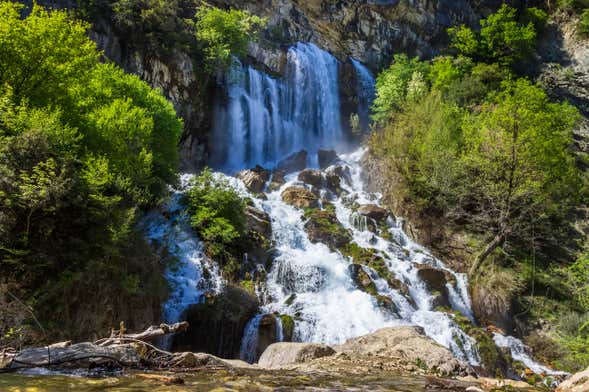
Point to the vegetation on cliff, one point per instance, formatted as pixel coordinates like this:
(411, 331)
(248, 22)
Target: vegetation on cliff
(474, 142)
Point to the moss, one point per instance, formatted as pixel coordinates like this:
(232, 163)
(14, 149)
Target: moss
(287, 327)
(249, 286)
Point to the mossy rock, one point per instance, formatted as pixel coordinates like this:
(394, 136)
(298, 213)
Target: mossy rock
(362, 279)
(322, 226)
(288, 325)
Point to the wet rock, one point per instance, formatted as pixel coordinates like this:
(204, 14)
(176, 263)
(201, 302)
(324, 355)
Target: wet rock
(266, 333)
(578, 382)
(311, 177)
(361, 279)
(216, 326)
(282, 355)
(277, 180)
(300, 197)
(342, 172)
(322, 226)
(294, 162)
(327, 158)
(258, 221)
(435, 281)
(333, 183)
(287, 327)
(373, 211)
(258, 247)
(409, 344)
(254, 179)
(387, 304)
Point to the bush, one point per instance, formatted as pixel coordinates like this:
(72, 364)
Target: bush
(217, 215)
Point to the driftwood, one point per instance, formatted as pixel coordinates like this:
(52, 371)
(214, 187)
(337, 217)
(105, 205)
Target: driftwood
(120, 349)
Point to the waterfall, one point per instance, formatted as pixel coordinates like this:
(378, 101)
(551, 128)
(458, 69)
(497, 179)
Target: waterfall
(366, 91)
(249, 342)
(263, 119)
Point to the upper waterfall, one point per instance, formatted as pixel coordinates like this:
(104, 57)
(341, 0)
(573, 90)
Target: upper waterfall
(264, 119)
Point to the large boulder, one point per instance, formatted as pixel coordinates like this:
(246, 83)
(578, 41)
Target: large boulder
(300, 197)
(322, 226)
(435, 281)
(293, 163)
(578, 382)
(373, 211)
(284, 355)
(311, 177)
(254, 179)
(327, 158)
(408, 344)
(276, 180)
(216, 326)
(259, 232)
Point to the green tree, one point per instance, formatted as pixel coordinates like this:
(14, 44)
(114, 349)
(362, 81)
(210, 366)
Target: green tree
(226, 32)
(522, 171)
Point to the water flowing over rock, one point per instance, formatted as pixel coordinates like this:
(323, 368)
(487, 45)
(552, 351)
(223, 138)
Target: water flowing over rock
(300, 197)
(254, 179)
(579, 382)
(372, 211)
(326, 158)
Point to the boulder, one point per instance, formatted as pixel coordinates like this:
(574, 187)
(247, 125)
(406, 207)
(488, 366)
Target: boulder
(435, 281)
(300, 197)
(578, 382)
(408, 344)
(283, 355)
(327, 158)
(258, 221)
(311, 177)
(361, 279)
(254, 179)
(266, 333)
(373, 211)
(324, 227)
(293, 163)
(216, 326)
(333, 183)
(259, 233)
(276, 180)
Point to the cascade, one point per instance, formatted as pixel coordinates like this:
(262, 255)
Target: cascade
(263, 119)
(366, 92)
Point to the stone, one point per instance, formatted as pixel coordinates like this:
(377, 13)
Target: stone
(258, 221)
(300, 197)
(293, 163)
(435, 281)
(266, 333)
(409, 344)
(276, 180)
(373, 211)
(259, 233)
(254, 179)
(322, 226)
(333, 183)
(361, 279)
(282, 355)
(311, 177)
(327, 158)
(578, 382)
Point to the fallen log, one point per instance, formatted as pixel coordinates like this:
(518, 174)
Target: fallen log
(125, 350)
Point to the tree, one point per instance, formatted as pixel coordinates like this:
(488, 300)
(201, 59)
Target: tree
(521, 170)
(226, 33)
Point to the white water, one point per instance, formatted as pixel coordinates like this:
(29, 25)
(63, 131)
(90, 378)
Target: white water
(520, 352)
(366, 93)
(264, 119)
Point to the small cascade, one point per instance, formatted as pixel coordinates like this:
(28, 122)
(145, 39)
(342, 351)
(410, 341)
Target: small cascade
(249, 342)
(264, 119)
(279, 330)
(366, 91)
(520, 352)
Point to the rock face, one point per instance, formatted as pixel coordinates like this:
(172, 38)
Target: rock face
(284, 355)
(300, 197)
(254, 179)
(217, 325)
(579, 382)
(259, 232)
(311, 177)
(293, 163)
(362, 280)
(375, 212)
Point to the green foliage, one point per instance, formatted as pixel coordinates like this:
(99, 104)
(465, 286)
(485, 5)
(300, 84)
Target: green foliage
(83, 147)
(505, 36)
(217, 215)
(225, 33)
(392, 85)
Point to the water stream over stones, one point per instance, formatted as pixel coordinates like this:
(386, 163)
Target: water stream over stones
(264, 119)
